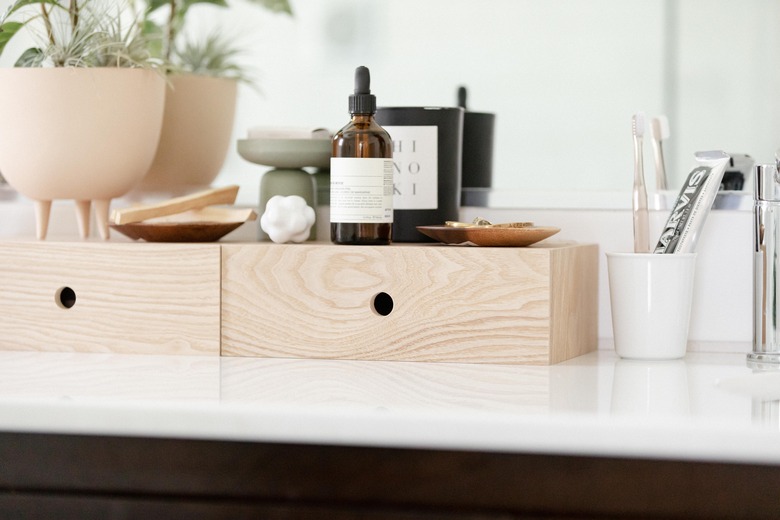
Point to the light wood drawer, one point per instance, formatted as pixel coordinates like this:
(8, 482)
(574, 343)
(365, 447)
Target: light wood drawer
(534, 305)
(129, 297)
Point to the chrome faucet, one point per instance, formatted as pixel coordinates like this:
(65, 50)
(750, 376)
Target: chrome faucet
(766, 266)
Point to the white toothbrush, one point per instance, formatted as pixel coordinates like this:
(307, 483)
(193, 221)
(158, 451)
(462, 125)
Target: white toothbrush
(660, 132)
(641, 225)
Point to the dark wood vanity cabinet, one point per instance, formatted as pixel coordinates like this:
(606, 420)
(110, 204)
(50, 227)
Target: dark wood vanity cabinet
(74, 476)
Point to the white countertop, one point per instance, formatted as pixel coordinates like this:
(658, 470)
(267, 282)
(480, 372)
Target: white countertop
(709, 406)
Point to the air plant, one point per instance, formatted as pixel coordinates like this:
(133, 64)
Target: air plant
(212, 56)
(77, 33)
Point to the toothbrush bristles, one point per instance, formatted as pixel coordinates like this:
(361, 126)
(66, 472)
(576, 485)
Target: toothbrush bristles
(660, 128)
(638, 124)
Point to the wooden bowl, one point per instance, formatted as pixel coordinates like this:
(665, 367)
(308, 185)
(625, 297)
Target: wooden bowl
(489, 236)
(206, 225)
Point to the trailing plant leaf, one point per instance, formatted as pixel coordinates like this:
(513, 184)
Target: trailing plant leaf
(188, 3)
(7, 31)
(32, 57)
(19, 4)
(8, 28)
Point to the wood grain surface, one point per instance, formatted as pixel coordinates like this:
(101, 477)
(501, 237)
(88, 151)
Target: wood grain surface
(453, 304)
(130, 298)
(574, 305)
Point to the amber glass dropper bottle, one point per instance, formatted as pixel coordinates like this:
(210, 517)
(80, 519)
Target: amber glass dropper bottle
(361, 174)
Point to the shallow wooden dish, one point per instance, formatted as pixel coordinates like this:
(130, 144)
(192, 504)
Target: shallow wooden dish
(177, 231)
(489, 236)
(204, 225)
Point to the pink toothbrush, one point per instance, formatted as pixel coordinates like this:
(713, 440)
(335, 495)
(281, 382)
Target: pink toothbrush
(641, 225)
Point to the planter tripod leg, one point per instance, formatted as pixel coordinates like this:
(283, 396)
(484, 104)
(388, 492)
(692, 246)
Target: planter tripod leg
(101, 214)
(42, 211)
(82, 216)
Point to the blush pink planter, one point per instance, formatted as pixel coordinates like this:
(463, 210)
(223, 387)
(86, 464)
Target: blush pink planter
(196, 134)
(87, 134)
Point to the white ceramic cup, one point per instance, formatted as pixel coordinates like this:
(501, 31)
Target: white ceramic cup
(651, 297)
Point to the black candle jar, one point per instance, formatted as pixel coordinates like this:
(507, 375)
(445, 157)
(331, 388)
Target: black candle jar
(427, 151)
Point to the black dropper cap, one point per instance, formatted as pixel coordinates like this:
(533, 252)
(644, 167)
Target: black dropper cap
(362, 101)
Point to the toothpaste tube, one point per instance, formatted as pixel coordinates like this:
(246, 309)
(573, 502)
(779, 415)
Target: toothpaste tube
(693, 204)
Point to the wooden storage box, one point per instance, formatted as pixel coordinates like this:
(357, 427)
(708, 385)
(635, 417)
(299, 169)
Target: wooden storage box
(430, 302)
(110, 297)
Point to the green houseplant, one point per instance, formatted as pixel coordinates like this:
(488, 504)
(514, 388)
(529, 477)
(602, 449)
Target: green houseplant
(201, 99)
(86, 101)
(209, 57)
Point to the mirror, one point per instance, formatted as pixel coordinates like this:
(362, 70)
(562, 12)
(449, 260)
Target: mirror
(564, 79)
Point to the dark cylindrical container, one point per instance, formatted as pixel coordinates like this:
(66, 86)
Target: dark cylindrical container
(427, 150)
(478, 149)
(477, 162)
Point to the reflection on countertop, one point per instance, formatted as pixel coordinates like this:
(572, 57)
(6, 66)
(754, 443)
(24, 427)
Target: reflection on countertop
(597, 403)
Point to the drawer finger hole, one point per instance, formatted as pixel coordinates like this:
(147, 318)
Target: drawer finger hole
(382, 304)
(65, 297)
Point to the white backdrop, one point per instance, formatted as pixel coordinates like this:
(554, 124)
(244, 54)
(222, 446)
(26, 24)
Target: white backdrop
(563, 77)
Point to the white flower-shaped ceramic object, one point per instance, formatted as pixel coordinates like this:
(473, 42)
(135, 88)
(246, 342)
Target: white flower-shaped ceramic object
(287, 219)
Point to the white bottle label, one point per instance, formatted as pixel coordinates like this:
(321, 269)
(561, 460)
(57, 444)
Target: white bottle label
(361, 190)
(416, 166)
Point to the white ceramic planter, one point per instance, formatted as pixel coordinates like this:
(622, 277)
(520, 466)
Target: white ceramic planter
(196, 134)
(87, 134)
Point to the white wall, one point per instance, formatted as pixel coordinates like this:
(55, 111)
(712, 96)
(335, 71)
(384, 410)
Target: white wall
(727, 79)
